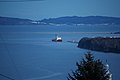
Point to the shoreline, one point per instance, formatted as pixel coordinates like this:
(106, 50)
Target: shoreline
(63, 32)
(108, 44)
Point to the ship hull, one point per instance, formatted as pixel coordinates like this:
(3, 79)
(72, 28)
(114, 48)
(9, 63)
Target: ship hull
(54, 40)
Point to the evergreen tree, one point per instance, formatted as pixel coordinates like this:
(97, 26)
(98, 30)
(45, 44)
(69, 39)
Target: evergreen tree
(90, 69)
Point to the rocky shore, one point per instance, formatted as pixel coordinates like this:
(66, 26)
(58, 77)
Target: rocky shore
(107, 44)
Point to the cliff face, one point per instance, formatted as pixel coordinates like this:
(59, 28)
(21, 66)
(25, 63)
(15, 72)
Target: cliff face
(101, 44)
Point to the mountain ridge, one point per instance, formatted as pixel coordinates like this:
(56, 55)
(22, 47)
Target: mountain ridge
(14, 21)
(83, 20)
(68, 20)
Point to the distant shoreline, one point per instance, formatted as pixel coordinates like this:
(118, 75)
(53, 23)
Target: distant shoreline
(66, 20)
(62, 32)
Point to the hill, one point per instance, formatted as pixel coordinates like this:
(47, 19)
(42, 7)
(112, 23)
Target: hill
(14, 21)
(68, 20)
(82, 20)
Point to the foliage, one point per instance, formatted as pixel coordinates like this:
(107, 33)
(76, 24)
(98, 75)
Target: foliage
(90, 69)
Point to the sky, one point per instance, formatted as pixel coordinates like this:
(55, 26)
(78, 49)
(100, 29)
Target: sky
(41, 9)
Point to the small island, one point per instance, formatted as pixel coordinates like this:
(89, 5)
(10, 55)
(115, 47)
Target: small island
(104, 44)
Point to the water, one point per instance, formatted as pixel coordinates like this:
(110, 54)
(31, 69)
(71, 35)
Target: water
(27, 52)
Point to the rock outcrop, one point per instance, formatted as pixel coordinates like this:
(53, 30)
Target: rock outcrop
(101, 44)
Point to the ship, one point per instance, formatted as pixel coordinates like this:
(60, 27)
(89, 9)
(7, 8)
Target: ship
(57, 39)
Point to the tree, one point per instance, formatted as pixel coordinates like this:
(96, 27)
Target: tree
(90, 69)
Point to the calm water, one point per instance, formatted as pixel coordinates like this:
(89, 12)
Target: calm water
(27, 52)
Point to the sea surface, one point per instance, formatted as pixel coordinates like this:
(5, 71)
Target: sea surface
(27, 52)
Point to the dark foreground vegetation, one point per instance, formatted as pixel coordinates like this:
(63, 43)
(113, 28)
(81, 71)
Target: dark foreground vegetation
(90, 69)
(101, 44)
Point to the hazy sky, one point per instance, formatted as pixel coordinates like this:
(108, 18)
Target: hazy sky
(40, 9)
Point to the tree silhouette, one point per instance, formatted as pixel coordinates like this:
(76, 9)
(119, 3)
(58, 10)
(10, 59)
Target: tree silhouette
(90, 69)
